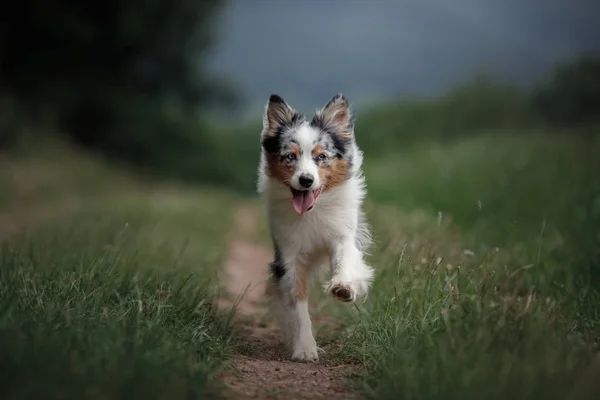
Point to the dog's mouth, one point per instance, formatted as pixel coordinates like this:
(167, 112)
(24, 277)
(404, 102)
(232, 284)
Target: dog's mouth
(304, 200)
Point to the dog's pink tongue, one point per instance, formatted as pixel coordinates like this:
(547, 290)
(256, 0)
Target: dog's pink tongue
(303, 200)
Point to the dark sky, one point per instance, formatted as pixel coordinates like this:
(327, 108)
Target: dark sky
(307, 50)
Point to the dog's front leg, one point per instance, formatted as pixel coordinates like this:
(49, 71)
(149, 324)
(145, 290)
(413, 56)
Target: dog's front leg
(351, 276)
(291, 304)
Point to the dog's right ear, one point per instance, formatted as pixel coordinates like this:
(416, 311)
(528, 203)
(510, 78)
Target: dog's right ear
(277, 113)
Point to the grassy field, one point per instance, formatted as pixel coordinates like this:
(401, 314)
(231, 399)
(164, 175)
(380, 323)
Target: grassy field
(487, 252)
(488, 271)
(108, 292)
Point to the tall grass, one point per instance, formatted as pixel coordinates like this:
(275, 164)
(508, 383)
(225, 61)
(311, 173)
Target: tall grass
(487, 264)
(115, 300)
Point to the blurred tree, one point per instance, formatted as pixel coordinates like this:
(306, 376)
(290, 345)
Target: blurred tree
(109, 71)
(572, 94)
(150, 47)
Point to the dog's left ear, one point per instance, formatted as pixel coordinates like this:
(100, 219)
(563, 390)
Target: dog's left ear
(337, 116)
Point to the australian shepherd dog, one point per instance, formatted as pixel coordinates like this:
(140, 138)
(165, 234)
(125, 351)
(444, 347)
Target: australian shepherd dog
(311, 180)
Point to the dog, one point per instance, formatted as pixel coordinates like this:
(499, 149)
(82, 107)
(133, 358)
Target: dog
(310, 178)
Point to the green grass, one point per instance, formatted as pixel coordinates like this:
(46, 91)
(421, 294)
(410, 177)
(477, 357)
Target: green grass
(115, 301)
(487, 259)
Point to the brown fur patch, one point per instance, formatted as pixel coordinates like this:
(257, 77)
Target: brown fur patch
(318, 150)
(280, 169)
(303, 272)
(272, 289)
(301, 283)
(334, 174)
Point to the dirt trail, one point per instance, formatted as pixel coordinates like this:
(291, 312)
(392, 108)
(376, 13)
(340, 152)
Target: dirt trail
(262, 370)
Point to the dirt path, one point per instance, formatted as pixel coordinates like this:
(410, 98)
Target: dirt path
(261, 367)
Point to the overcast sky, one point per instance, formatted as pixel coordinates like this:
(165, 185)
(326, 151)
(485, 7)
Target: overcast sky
(307, 50)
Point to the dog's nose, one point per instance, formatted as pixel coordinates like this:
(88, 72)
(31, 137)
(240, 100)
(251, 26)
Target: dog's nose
(306, 180)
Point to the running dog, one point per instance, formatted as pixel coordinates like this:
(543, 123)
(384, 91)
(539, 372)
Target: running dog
(310, 177)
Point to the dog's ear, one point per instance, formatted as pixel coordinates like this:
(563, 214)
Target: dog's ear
(277, 113)
(337, 116)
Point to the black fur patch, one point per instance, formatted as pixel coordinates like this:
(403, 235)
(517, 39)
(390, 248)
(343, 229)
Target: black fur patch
(272, 143)
(277, 267)
(341, 144)
(275, 98)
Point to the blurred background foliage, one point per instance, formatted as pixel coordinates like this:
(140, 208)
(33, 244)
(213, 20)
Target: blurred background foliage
(121, 77)
(127, 79)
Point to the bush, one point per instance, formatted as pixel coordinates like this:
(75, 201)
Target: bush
(481, 104)
(572, 94)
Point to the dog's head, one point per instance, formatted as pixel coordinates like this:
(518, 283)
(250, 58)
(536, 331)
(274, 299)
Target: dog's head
(309, 157)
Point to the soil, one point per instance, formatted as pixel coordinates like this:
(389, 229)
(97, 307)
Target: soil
(261, 367)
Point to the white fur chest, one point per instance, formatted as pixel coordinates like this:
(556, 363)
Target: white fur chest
(334, 216)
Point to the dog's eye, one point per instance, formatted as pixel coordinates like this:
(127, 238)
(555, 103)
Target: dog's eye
(291, 156)
(322, 157)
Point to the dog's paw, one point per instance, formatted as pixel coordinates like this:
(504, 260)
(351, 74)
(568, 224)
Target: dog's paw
(348, 292)
(343, 292)
(305, 348)
(305, 354)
